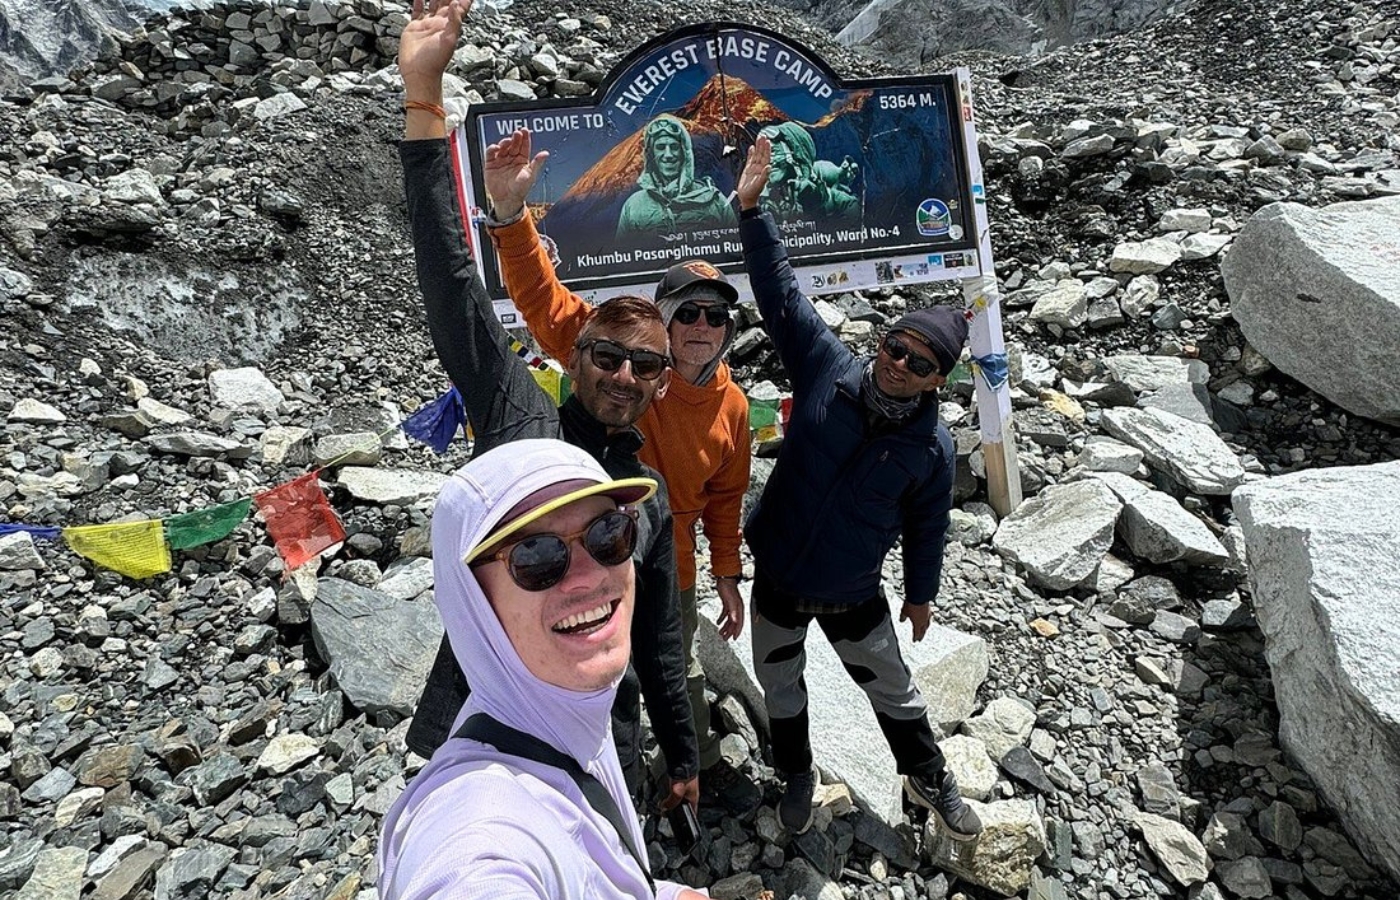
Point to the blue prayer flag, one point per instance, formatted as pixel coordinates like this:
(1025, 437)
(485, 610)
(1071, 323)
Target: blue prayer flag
(436, 424)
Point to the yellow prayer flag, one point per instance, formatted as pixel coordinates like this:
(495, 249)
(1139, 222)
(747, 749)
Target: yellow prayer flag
(135, 549)
(549, 381)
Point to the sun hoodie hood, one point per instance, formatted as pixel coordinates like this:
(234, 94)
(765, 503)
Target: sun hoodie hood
(472, 502)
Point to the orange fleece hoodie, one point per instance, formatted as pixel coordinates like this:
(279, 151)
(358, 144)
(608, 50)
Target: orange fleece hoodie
(697, 437)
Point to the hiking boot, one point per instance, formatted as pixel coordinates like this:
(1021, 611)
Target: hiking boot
(795, 809)
(940, 794)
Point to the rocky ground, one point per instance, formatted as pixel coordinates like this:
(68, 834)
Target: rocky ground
(210, 732)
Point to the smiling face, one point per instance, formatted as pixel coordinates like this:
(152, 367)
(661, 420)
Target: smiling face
(894, 378)
(618, 398)
(577, 633)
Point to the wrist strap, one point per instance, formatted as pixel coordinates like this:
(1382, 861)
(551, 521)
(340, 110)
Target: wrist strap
(493, 222)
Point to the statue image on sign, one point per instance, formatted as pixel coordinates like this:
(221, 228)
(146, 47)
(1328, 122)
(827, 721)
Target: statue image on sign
(670, 197)
(800, 184)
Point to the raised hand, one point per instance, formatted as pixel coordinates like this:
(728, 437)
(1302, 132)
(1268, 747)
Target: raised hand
(510, 172)
(427, 44)
(754, 178)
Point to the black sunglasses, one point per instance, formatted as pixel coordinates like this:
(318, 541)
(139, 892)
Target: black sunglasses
(689, 313)
(920, 366)
(540, 561)
(610, 355)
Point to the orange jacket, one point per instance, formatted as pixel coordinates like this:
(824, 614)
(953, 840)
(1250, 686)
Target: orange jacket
(696, 437)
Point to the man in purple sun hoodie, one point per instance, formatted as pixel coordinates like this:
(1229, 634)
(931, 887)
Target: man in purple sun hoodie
(532, 555)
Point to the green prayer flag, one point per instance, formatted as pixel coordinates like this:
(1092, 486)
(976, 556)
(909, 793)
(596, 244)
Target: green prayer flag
(762, 413)
(205, 526)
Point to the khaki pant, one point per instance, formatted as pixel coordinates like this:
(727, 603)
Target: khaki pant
(695, 682)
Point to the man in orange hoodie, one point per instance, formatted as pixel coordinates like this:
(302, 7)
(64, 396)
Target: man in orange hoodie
(697, 435)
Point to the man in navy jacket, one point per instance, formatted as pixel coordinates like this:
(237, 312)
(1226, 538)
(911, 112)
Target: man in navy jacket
(864, 462)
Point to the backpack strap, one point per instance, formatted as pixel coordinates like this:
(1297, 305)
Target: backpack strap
(486, 729)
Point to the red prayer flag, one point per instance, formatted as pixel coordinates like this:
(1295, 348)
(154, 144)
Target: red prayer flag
(300, 519)
(785, 411)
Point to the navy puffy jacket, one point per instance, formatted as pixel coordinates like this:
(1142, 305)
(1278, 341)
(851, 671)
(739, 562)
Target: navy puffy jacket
(840, 494)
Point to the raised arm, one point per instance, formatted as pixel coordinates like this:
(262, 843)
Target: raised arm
(503, 402)
(554, 314)
(804, 343)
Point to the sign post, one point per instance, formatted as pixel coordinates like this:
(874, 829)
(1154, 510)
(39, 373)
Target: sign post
(985, 337)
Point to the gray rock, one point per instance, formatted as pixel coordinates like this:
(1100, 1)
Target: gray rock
(379, 649)
(130, 874)
(357, 449)
(1188, 220)
(198, 443)
(1152, 373)
(1004, 724)
(54, 784)
(1103, 454)
(1061, 535)
(1003, 857)
(1245, 878)
(1175, 847)
(35, 412)
(17, 552)
(1157, 529)
(1327, 594)
(401, 487)
(192, 871)
(967, 759)
(407, 578)
(1278, 824)
(1228, 837)
(1291, 265)
(1159, 792)
(282, 445)
(58, 875)
(1226, 615)
(1066, 305)
(1192, 454)
(133, 186)
(287, 751)
(1175, 627)
(1144, 257)
(1189, 401)
(244, 388)
(278, 105)
(215, 779)
(1021, 764)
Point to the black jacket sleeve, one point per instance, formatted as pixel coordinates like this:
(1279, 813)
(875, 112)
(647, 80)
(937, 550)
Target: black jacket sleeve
(503, 402)
(658, 649)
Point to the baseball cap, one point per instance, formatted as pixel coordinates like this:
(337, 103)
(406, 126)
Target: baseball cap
(537, 477)
(692, 272)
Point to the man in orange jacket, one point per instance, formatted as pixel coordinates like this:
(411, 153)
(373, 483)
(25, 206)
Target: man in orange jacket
(697, 433)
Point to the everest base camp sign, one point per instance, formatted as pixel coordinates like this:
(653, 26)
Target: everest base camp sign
(870, 183)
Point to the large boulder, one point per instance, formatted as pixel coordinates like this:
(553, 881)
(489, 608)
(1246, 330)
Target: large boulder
(1326, 577)
(1317, 291)
(1190, 453)
(1061, 536)
(948, 667)
(379, 649)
